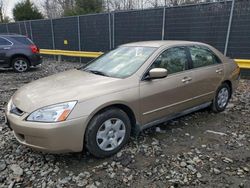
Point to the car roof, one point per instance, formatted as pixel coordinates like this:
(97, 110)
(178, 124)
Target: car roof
(161, 43)
(11, 35)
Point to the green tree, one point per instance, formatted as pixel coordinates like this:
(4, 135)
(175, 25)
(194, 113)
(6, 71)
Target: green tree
(85, 7)
(26, 10)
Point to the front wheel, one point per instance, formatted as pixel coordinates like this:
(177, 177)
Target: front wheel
(221, 98)
(107, 133)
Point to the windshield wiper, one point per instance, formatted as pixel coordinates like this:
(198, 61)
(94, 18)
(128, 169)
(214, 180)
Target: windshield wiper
(97, 72)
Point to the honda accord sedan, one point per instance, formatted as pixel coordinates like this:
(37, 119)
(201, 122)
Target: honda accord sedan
(131, 88)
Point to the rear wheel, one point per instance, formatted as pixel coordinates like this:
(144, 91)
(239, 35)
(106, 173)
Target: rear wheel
(107, 133)
(221, 98)
(20, 64)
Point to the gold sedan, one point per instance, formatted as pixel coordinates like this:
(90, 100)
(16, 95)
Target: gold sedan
(131, 88)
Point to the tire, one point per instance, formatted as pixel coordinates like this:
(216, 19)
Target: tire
(107, 132)
(221, 98)
(20, 64)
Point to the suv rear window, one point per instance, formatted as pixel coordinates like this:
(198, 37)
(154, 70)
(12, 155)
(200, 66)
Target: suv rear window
(23, 40)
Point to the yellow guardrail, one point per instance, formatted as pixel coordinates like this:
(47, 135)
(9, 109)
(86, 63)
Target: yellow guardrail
(70, 53)
(243, 63)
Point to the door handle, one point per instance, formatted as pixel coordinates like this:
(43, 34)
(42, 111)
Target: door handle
(219, 71)
(6, 48)
(186, 79)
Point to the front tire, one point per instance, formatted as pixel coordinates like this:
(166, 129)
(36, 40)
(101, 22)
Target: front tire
(107, 132)
(221, 98)
(20, 64)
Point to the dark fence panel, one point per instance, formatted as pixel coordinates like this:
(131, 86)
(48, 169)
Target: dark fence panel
(204, 23)
(66, 30)
(3, 28)
(239, 41)
(28, 24)
(14, 28)
(94, 31)
(138, 26)
(41, 32)
(23, 28)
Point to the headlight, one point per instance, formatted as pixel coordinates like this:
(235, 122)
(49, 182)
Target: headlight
(53, 113)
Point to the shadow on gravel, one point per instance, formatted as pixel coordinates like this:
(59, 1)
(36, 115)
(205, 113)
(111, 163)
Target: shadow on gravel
(8, 70)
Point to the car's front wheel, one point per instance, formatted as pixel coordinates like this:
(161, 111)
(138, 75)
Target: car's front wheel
(221, 98)
(107, 132)
(20, 64)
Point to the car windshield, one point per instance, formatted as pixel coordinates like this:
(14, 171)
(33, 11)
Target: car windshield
(121, 62)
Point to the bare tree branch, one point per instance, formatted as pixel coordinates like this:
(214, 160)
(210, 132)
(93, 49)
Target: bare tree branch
(51, 9)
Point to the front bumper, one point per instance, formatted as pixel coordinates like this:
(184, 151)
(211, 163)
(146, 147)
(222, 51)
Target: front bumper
(67, 136)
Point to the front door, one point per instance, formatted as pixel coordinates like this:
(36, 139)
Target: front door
(167, 96)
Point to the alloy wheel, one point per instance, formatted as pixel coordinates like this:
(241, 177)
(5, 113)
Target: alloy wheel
(21, 65)
(223, 97)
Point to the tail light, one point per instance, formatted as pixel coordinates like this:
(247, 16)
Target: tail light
(34, 49)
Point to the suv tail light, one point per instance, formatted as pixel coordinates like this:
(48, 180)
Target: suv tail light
(34, 49)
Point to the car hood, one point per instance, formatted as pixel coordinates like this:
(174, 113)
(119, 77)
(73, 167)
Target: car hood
(66, 86)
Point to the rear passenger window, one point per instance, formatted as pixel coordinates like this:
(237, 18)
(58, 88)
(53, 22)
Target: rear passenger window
(174, 60)
(201, 56)
(4, 42)
(23, 40)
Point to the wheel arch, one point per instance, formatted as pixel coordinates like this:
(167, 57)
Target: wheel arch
(229, 83)
(124, 107)
(19, 55)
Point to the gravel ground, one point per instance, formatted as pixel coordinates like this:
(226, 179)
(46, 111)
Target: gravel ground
(199, 150)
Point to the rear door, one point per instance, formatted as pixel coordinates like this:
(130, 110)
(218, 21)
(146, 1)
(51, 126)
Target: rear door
(207, 73)
(5, 46)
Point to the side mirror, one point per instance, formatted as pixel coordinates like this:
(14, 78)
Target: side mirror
(157, 73)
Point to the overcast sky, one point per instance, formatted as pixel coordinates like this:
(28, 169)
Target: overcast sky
(9, 4)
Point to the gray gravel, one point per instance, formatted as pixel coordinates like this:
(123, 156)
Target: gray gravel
(199, 150)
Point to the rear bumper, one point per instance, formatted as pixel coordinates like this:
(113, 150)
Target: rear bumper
(67, 136)
(235, 79)
(36, 59)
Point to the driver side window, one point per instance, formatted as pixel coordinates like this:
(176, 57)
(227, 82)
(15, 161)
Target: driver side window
(174, 60)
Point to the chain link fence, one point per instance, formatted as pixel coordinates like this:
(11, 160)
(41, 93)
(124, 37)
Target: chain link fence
(225, 25)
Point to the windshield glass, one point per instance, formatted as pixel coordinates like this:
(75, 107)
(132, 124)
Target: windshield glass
(121, 62)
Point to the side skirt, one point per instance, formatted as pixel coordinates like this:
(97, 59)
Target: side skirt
(138, 128)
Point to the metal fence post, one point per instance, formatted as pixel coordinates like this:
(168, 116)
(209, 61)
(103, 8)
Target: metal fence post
(31, 32)
(79, 35)
(113, 30)
(19, 25)
(110, 32)
(53, 37)
(25, 27)
(229, 27)
(7, 28)
(163, 24)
